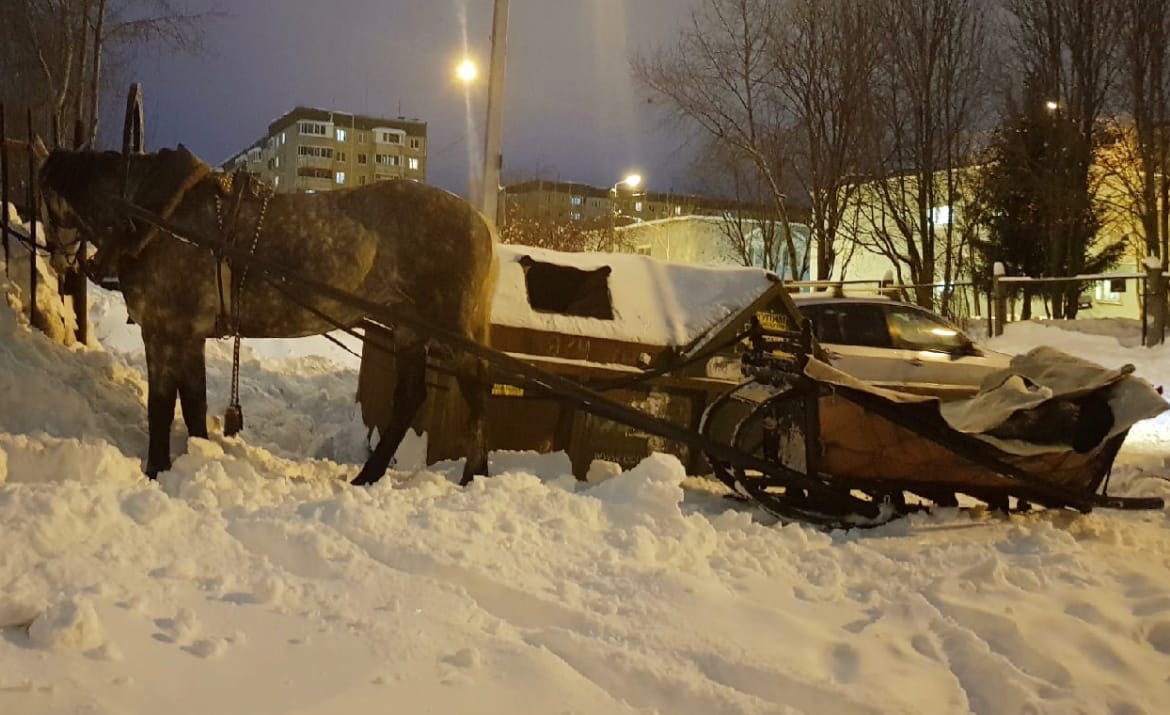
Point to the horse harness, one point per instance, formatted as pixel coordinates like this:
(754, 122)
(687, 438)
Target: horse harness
(229, 198)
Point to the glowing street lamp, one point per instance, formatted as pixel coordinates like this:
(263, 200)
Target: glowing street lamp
(632, 181)
(467, 71)
(1052, 105)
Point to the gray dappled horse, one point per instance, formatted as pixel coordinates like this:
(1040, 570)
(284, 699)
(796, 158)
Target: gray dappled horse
(392, 243)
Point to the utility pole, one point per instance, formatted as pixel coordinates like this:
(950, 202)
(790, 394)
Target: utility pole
(493, 157)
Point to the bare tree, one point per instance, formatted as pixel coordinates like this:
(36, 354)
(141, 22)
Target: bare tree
(750, 229)
(932, 85)
(553, 234)
(54, 49)
(722, 75)
(827, 58)
(1145, 71)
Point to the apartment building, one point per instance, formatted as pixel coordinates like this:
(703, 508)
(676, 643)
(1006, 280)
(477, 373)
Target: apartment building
(566, 201)
(309, 150)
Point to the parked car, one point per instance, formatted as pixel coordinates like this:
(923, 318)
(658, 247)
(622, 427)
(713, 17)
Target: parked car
(898, 345)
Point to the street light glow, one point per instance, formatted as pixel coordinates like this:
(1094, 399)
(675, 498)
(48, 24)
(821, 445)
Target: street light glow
(1051, 105)
(467, 71)
(632, 180)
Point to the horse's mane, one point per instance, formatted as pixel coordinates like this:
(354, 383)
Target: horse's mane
(154, 178)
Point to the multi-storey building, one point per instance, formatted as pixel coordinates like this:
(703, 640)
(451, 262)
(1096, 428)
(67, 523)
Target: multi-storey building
(310, 150)
(563, 201)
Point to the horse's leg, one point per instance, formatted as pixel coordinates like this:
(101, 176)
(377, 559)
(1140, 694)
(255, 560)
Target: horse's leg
(410, 392)
(163, 385)
(474, 386)
(193, 387)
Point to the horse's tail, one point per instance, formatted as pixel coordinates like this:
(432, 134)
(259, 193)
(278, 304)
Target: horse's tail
(377, 377)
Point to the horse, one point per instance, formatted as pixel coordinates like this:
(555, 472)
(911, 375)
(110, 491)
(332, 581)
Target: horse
(391, 243)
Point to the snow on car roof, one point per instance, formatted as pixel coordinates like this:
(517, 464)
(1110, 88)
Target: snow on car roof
(654, 302)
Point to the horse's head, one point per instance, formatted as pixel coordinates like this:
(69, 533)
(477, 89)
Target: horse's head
(77, 188)
(72, 187)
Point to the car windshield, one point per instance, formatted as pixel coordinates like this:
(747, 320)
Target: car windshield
(919, 330)
(849, 324)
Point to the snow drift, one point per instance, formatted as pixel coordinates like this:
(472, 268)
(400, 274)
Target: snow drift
(252, 578)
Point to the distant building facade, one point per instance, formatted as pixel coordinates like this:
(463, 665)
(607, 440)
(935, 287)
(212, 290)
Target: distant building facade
(566, 201)
(309, 150)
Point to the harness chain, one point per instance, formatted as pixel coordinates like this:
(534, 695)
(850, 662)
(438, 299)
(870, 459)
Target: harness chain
(233, 420)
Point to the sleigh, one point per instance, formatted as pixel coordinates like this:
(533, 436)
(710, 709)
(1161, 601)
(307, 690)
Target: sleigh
(1046, 431)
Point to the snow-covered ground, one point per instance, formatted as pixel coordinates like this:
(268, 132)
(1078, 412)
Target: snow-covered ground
(253, 579)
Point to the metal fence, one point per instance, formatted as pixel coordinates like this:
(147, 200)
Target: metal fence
(1151, 293)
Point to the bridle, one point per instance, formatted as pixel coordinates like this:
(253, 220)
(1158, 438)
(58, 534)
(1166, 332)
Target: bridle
(72, 251)
(120, 236)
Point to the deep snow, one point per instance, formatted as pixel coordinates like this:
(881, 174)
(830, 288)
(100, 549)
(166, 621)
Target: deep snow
(252, 579)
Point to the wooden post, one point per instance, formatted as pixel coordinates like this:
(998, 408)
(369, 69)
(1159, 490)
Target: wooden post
(133, 129)
(33, 316)
(1155, 302)
(999, 293)
(4, 184)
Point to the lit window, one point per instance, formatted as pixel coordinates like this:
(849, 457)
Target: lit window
(574, 215)
(341, 177)
(575, 200)
(638, 206)
(678, 210)
(282, 138)
(941, 215)
(1109, 292)
(340, 135)
(321, 152)
(413, 163)
(275, 181)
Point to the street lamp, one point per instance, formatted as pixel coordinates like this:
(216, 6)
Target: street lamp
(467, 71)
(632, 181)
(1052, 105)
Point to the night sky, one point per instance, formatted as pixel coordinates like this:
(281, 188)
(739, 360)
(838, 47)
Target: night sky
(572, 111)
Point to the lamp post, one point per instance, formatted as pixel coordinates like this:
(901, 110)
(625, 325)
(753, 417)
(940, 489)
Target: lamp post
(487, 198)
(493, 157)
(632, 181)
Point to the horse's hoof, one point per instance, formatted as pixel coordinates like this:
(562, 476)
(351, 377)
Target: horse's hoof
(153, 472)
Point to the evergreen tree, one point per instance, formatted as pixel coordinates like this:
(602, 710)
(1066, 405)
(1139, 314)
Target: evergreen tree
(1037, 204)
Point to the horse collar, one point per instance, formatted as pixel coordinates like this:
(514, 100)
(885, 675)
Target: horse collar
(234, 187)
